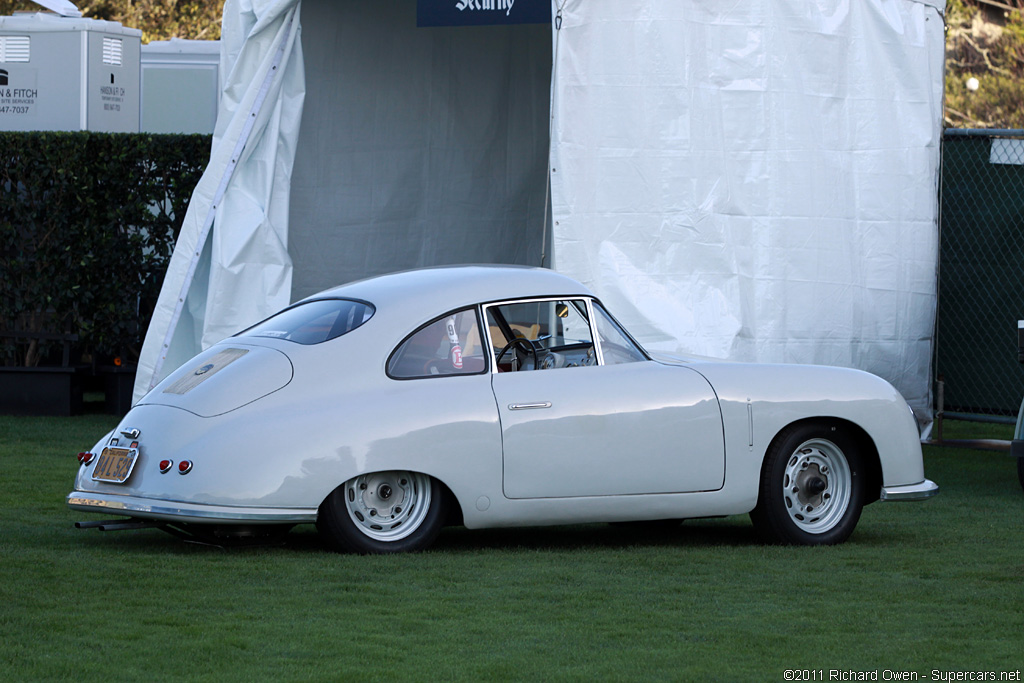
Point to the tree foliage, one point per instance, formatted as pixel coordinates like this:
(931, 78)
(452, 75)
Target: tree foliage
(157, 19)
(984, 64)
(88, 222)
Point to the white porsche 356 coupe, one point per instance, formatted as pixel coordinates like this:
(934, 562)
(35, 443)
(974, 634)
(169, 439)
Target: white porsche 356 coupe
(490, 396)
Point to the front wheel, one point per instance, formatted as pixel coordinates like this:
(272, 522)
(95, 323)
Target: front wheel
(812, 487)
(1020, 471)
(383, 512)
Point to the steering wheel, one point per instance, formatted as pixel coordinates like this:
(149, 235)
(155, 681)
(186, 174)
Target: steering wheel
(518, 340)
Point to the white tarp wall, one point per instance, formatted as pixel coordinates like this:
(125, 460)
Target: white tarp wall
(219, 283)
(755, 180)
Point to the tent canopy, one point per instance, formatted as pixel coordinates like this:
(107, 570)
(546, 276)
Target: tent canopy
(753, 180)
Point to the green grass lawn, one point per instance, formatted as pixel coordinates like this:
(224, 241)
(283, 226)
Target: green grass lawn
(926, 586)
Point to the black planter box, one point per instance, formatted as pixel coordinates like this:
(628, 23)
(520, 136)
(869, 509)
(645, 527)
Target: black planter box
(55, 392)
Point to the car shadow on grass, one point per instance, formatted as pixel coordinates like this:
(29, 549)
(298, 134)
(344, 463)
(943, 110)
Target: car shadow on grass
(693, 533)
(736, 532)
(733, 532)
(730, 532)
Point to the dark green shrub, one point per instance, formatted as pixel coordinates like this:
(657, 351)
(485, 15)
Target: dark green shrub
(88, 222)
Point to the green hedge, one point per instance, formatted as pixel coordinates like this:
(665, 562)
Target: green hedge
(88, 222)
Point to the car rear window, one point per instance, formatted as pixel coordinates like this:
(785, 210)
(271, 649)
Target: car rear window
(313, 322)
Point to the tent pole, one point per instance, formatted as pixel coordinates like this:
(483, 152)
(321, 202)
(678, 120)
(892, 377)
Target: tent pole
(229, 171)
(551, 132)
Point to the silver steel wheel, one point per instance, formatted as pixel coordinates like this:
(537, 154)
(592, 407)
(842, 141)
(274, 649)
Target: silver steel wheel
(817, 486)
(388, 506)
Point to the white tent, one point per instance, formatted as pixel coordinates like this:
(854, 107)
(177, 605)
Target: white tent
(752, 180)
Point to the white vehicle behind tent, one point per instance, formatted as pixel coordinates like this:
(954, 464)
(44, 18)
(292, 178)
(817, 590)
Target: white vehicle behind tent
(180, 86)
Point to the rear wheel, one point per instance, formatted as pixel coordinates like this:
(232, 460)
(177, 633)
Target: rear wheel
(383, 512)
(812, 485)
(1020, 471)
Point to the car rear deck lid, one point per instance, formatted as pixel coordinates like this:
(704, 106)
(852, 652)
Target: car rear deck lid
(222, 379)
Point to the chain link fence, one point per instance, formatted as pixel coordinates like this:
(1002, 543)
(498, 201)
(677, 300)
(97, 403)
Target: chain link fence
(981, 272)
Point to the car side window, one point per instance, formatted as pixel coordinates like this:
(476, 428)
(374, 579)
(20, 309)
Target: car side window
(541, 335)
(616, 346)
(450, 345)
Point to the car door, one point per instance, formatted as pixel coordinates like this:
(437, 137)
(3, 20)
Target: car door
(587, 425)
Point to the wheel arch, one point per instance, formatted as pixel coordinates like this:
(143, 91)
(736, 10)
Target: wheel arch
(454, 505)
(866, 445)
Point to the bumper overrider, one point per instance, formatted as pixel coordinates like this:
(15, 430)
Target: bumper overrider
(920, 491)
(175, 511)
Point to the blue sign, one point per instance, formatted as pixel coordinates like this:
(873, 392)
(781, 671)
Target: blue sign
(482, 12)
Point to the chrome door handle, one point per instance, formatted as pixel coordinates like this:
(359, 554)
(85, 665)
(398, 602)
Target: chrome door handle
(529, 406)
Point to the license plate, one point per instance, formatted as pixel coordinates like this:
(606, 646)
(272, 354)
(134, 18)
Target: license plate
(115, 465)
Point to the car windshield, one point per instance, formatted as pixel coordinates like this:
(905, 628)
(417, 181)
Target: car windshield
(313, 322)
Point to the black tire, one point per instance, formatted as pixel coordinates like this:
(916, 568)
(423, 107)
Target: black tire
(1020, 471)
(812, 486)
(383, 512)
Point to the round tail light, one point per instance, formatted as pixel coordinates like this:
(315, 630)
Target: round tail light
(165, 466)
(184, 467)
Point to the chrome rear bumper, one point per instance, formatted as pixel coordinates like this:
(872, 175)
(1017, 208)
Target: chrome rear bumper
(174, 511)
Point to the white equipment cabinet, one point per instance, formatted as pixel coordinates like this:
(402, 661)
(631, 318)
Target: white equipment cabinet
(68, 73)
